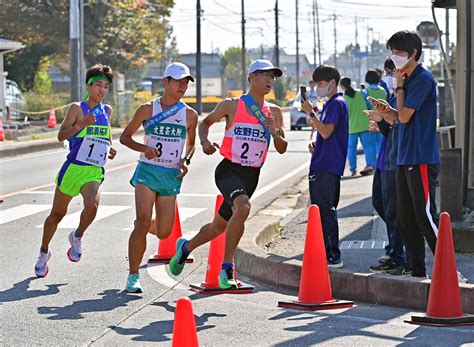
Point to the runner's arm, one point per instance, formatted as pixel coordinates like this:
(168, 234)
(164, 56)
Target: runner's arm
(73, 122)
(278, 135)
(141, 114)
(219, 112)
(191, 121)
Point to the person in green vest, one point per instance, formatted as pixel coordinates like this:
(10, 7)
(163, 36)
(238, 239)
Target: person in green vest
(358, 128)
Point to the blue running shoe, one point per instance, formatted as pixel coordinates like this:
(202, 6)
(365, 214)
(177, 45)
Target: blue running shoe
(178, 261)
(74, 253)
(133, 284)
(41, 266)
(226, 279)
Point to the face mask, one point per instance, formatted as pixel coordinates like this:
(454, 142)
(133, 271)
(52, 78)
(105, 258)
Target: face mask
(323, 91)
(399, 61)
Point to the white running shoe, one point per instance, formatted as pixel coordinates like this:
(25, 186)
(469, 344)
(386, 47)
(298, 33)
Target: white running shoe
(74, 253)
(41, 266)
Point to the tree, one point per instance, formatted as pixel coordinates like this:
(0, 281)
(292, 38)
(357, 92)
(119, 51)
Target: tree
(42, 82)
(231, 65)
(120, 33)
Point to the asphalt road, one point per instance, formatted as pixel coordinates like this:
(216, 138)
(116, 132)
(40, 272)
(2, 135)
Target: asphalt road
(84, 303)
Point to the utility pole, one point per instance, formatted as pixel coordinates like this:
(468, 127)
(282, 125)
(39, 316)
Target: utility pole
(244, 80)
(297, 47)
(314, 34)
(357, 49)
(319, 36)
(335, 40)
(74, 47)
(448, 53)
(198, 58)
(277, 45)
(82, 63)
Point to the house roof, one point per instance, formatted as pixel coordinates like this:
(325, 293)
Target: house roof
(9, 46)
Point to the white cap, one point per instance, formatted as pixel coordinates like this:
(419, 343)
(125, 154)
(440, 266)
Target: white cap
(264, 65)
(177, 71)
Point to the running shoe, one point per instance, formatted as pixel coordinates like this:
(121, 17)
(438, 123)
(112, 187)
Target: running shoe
(335, 264)
(41, 266)
(462, 279)
(383, 259)
(74, 253)
(368, 170)
(353, 172)
(388, 265)
(178, 261)
(133, 284)
(226, 279)
(400, 270)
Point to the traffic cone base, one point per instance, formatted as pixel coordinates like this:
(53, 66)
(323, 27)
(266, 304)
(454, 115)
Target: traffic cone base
(242, 288)
(441, 322)
(327, 305)
(157, 259)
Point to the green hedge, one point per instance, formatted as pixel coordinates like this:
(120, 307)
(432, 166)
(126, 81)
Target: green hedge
(37, 103)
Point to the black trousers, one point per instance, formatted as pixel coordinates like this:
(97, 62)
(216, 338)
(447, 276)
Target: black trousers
(416, 207)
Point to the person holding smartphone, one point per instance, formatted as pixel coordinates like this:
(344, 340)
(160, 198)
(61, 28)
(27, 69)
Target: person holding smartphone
(328, 157)
(418, 156)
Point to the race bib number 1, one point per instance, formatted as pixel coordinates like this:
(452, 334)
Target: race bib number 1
(93, 151)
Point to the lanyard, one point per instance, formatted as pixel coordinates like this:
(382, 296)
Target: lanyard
(164, 114)
(257, 112)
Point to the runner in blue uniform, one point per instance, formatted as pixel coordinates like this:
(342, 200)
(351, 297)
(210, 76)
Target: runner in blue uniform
(87, 128)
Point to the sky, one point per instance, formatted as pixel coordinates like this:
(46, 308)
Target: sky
(221, 23)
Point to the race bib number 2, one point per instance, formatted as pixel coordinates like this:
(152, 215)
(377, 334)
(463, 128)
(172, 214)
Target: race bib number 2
(93, 151)
(249, 145)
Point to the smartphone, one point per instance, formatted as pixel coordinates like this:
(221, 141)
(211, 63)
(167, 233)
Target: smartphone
(303, 92)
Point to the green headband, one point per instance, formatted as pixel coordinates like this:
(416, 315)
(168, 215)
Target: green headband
(93, 79)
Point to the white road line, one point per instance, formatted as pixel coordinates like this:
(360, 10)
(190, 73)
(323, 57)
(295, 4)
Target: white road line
(181, 195)
(21, 211)
(72, 220)
(36, 155)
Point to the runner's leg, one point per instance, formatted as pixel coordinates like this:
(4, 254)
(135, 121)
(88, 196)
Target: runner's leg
(91, 197)
(165, 215)
(60, 204)
(144, 200)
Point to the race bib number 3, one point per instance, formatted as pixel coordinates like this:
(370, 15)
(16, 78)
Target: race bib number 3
(249, 145)
(93, 151)
(168, 150)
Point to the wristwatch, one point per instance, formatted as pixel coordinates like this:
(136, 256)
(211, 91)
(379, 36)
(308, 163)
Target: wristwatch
(399, 88)
(187, 161)
(312, 114)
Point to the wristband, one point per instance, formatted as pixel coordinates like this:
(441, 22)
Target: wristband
(277, 134)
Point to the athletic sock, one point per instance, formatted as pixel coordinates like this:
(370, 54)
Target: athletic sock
(227, 266)
(44, 250)
(75, 235)
(184, 249)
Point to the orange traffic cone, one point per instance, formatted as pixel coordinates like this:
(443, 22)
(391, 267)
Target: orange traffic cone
(52, 117)
(315, 285)
(214, 262)
(167, 247)
(2, 132)
(444, 300)
(184, 327)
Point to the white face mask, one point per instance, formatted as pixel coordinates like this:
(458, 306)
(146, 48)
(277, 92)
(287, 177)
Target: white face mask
(400, 61)
(323, 91)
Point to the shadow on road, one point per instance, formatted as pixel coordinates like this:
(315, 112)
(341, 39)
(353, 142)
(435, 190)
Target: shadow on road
(20, 291)
(110, 300)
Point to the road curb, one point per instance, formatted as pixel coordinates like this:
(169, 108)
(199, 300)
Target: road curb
(252, 260)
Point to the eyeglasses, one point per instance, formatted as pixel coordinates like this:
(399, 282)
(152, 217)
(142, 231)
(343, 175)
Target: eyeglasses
(267, 74)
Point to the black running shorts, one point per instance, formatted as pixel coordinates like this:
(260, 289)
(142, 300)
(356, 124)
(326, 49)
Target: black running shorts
(234, 180)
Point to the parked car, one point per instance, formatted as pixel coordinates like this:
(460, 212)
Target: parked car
(297, 116)
(14, 100)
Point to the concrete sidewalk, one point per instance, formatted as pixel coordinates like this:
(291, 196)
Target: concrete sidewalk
(271, 250)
